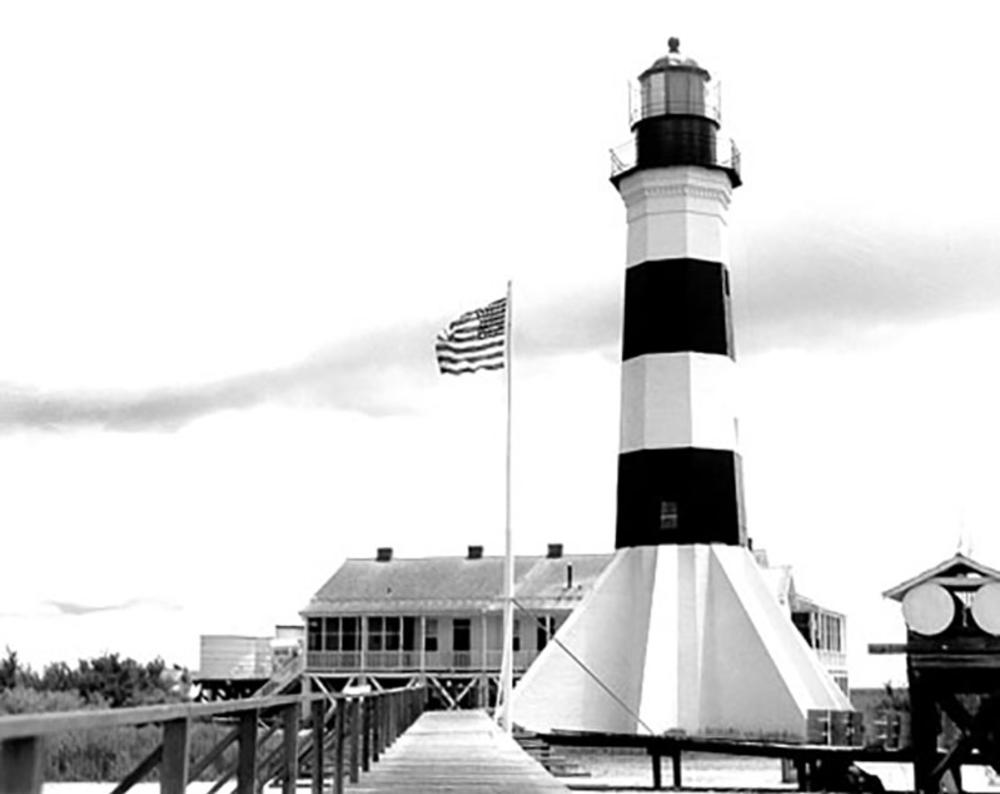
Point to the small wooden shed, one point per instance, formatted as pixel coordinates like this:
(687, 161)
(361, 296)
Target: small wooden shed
(952, 614)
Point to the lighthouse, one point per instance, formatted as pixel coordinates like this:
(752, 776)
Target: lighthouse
(680, 632)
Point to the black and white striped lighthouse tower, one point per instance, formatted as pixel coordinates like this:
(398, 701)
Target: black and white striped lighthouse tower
(681, 631)
(678, 470)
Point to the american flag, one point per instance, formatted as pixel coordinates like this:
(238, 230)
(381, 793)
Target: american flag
(474, 341)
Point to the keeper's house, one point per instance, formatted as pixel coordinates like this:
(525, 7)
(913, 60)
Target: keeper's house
(387, 621)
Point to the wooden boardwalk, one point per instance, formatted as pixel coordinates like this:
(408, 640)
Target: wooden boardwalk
(456, 751)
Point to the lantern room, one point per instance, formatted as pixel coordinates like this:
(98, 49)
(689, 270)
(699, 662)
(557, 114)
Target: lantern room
(675, 120)
(676, 85)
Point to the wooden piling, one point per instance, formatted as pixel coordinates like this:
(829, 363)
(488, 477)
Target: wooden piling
(22, 761)
(318, 718)
(246, 761)
(174, 766)
(366, 739)
(341, 726)
(355, 738)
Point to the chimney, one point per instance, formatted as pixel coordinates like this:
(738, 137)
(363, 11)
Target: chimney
(555, 551)
(475, 553)
(384, 554)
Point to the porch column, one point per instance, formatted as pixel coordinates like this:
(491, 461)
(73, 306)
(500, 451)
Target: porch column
(483, 686)
(483, 643)
(363, 639)
(423, 643)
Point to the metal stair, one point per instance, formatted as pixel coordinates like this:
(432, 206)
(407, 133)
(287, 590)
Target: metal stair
(555, 764)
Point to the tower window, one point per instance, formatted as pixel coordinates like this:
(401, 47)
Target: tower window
(668, 515)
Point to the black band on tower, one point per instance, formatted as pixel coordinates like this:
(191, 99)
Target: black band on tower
(681, 495)
(676, 305)
(675, 140)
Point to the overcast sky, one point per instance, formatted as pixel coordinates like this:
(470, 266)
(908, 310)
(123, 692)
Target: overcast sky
(230, 231)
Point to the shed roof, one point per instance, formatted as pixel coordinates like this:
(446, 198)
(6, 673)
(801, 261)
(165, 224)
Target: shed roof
(953, 568)
(435, 584)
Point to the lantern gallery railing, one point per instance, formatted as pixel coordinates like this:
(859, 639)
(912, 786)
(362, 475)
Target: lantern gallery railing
(351, 731)
(726, 156)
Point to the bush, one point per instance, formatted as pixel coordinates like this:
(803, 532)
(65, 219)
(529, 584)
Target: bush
(23, 700)
(100, 755)
(105, 754)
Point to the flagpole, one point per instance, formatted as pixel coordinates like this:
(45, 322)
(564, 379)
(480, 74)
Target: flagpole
(507, 657)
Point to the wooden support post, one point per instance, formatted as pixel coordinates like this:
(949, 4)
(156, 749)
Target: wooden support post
(174, 766)
(925, 728)
(675, 762)
(802, 774)
(305, 682)
(318, 714)
(657, 770)
(366, 738)
(246, 761)
(290, 746)
(391, 703)
(22, 765)
(340, 728)
(376, 727)
(355, 729)
(383, 733)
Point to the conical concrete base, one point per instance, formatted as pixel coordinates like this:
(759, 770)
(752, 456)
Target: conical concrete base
(677, 638)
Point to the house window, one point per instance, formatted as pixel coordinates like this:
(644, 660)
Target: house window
(668, 515)
(349, 631)
(461, 634)
(516, 644)
(409, 634)
(546, 628)
(332, 634)
(384, 633)
(804, 625)
(831, 633)
(393, 633)
(431, 635)
(314, 634)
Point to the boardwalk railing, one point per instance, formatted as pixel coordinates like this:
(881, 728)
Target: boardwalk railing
(346, 734)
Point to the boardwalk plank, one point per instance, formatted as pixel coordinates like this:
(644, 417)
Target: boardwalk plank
(456, 751)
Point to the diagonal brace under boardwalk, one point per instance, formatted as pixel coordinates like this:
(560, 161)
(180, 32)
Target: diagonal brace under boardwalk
(457, 751)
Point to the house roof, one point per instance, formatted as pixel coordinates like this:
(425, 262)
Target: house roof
(951, 571)
(435, 584)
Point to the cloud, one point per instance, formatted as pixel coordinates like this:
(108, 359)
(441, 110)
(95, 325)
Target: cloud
(832, 285)
(810, 285)
(353, 376)
(73, 608)
(53, 608)
(377, 374)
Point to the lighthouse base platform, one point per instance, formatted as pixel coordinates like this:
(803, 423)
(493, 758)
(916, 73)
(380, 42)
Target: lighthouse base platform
(682, 639)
